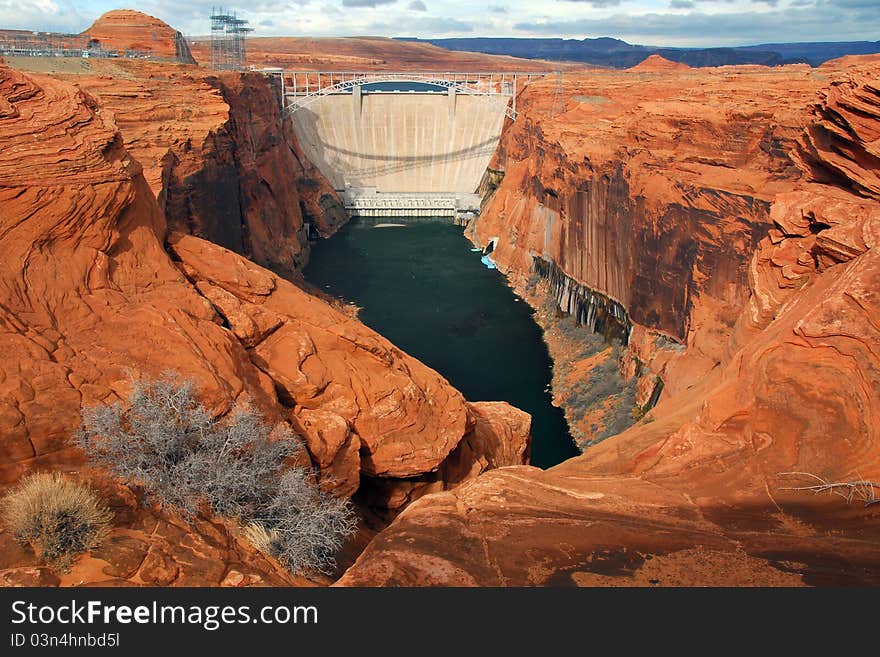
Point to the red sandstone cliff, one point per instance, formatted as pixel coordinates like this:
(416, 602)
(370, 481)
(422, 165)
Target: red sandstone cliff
(90, 295)
(126, 29)
(217, 157)
(749, 232)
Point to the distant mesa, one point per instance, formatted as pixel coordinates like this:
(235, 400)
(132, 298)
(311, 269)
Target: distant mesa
(850, 60)
(658, 63)
(615, 53)
(129, 30)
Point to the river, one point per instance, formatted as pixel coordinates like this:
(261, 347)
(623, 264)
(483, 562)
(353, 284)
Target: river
(422, 287)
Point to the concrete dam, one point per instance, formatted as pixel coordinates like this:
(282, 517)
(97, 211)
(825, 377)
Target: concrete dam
(402, 144)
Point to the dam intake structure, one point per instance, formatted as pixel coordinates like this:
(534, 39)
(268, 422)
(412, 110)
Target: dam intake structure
(402, 143)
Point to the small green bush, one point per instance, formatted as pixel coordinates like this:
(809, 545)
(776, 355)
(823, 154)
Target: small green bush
(58, 517)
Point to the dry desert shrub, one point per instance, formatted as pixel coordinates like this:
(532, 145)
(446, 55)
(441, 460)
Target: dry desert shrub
(257, 535)
(58, 517)
(165, 441)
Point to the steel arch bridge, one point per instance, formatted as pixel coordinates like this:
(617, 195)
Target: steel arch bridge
(309, 87)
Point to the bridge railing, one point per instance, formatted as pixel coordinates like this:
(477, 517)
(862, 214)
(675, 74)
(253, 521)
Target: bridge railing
(306, 82)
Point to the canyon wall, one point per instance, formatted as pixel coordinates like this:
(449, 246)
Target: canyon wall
(622, 193)
(95, 291)
(218, 158)
(734, 211)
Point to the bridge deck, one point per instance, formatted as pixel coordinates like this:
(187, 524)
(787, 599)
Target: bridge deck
(305, 82)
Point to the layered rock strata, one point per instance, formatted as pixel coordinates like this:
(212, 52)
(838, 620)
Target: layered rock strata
(220, 160)
(128, 30)
(733, 214)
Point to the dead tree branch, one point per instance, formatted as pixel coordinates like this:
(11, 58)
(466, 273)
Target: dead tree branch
(858, 489)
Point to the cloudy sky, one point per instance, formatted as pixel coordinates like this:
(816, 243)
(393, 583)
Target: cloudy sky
(655, 22)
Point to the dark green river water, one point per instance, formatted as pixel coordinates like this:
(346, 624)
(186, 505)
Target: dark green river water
(424, 289)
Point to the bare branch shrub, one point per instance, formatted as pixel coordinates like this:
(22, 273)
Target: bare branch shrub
(858, 489)
(165, 441)
(308, 526)
(58, 517)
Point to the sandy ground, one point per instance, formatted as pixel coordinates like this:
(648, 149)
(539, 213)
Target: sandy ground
(72, 66)
(51, 64)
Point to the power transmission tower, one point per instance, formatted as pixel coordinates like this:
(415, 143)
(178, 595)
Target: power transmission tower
(238, 30)
(219, 19)
(228, 34)
(558, 106)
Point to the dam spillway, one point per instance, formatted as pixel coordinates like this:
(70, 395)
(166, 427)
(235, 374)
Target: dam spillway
(390, 150)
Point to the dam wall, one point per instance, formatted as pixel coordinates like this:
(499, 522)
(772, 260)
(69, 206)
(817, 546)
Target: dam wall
(402, 142)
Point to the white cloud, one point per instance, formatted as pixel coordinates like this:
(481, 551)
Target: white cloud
(366, 3)
(42, 15)
(656, 22)
(599, 3)
(828, 20)
(422, 25)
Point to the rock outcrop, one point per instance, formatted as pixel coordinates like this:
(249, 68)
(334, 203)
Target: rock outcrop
(220, 161)
(150, 548)
(91, 296)
(658, 63)
(639, 193)
(724, 222)
(841, 146)
(128, 30)
(749, 234)
(362, 405)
